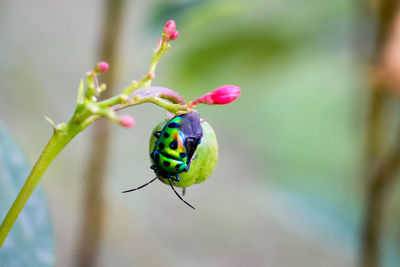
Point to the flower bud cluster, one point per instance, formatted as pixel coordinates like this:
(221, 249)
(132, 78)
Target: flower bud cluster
(94, 90)
(161, 96)
(169, 31)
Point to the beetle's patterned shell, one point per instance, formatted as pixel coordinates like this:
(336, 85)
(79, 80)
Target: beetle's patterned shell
(171, 140)
(176, 144)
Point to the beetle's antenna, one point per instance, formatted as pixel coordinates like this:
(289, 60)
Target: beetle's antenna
(130, 190)
(169, 180)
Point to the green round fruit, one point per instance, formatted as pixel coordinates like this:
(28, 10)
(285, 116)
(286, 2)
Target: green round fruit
(204, 159)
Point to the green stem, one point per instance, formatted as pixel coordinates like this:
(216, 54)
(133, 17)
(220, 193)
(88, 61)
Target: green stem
(86, 112)
(56, 143)
(154, 62)
(171, 107)
(156, 57)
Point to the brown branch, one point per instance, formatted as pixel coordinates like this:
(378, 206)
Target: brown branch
(374, 127)
(377, 194)
(92, 218)
(385, 14)
(381, 173)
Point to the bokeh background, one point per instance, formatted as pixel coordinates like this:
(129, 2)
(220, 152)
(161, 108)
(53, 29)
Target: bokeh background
(290, 186)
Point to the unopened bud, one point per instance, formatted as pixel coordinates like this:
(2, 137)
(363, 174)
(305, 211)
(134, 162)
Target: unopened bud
(220, 96)
(169, 26)
(102, 87)
(126, 121)
(174, 35)
(102, 67)
(169, 31)
(151, 75)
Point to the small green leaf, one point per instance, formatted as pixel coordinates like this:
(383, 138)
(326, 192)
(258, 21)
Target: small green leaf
(81, 97)
(31, 241)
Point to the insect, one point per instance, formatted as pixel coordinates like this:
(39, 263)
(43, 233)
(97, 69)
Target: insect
(174, 149)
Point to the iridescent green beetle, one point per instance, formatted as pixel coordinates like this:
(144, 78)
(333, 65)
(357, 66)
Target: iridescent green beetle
(174, 149)
(176, 144)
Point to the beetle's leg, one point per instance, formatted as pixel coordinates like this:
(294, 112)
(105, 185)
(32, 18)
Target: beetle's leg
(177, 178)
(188, 167)
(173, 179)
(157, 134)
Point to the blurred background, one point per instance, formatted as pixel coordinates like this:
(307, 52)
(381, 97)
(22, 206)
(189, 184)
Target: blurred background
(307, 174)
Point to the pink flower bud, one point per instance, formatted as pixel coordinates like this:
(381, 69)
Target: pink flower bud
(174, 35)
(169, 27)
(126, 121)
(169, 31)
(220, 96)
(102, 67)
(151, 75)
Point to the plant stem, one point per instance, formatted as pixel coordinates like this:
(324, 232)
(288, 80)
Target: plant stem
(87, 111)
(60, 138)
(156, 58)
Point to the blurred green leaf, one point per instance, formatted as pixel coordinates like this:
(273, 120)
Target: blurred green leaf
(31, 240)
(162, 11)
(299, 101)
